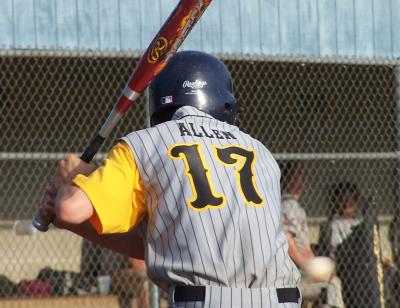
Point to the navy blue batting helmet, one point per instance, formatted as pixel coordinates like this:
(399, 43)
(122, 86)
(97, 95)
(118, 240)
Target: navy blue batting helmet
(192, 78)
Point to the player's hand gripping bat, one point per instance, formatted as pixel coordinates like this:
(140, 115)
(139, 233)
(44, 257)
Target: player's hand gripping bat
(163, 46)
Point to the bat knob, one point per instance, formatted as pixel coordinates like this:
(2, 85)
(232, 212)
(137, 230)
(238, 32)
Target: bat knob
(42, 223)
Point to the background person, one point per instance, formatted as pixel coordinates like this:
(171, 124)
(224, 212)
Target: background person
(344, 217)
(352, 238)
(294, 184)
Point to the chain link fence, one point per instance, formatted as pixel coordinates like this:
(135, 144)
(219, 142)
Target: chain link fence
(339, 117)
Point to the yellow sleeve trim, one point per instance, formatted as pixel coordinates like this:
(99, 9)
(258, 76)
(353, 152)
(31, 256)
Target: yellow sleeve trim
(116, 192)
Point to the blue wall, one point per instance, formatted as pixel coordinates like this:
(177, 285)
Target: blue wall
(365, 28)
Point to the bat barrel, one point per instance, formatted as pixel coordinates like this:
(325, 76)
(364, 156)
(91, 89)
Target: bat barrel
(166, 42)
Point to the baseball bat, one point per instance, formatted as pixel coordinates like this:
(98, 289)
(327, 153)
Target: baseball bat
(163, 46)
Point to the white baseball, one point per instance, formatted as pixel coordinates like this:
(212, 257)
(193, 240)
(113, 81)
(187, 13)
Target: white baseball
(319, 269)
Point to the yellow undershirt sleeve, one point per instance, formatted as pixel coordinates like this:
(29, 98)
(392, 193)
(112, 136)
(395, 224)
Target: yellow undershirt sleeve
(116, 192)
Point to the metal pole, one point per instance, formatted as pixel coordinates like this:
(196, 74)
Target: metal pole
(154, 296)
(395, 228)
(154, 291)
(146, 107)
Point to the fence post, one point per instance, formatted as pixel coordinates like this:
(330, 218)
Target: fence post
(154, 296)
(395, 228)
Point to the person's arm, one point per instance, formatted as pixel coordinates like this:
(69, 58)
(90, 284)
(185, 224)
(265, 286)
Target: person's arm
(298, 256)
(73, 206)
(308, 252)
(129, 243)
(73, 209)
(59, 193)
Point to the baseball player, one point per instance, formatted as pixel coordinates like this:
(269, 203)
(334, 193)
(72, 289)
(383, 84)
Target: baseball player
(203, 195)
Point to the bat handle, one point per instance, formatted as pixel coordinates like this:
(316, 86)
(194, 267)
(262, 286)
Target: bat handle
(112, 120)
(92, 148)
(42, 223)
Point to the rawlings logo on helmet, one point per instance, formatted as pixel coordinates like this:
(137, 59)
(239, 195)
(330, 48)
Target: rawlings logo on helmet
(198, 84)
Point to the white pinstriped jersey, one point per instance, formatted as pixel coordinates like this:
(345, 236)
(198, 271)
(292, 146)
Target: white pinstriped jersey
(214, 205)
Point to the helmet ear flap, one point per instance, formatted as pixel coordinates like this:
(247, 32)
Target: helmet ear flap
(192, 78)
